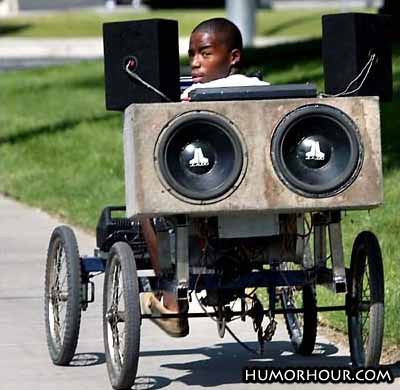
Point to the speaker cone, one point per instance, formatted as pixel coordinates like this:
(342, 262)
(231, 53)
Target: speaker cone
(200, 156)
(316, 151)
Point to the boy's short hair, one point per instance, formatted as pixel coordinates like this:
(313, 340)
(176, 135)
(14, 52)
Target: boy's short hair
(232, 37)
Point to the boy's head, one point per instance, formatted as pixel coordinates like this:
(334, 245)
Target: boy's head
(215, 50)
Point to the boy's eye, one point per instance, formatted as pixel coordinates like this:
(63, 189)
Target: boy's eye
(205, 53)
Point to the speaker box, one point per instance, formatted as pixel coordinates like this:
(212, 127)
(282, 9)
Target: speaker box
(348, 41)
(274, 156)
(153, 46)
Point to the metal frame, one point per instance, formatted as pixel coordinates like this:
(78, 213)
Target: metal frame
(187, 278)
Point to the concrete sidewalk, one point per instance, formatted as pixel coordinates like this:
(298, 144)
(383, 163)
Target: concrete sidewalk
(98, 5)
(85, 48)
(20, 53)
(201, 360)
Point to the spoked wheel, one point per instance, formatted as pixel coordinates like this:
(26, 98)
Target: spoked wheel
(365, 301)
(62, 295)
(121, 316)
(301, 327)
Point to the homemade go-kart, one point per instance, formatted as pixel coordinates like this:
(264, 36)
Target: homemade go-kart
(246, 190)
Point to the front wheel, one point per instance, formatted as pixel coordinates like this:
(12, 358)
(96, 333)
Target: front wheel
(365, 301)
(62, 299)
(121, 316)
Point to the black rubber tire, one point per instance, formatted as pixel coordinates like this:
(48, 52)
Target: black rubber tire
(121, 364)
(366, 266)
(302, 336)
(62, 347)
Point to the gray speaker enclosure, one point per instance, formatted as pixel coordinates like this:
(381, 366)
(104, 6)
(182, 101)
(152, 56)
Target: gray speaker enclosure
(259, 188)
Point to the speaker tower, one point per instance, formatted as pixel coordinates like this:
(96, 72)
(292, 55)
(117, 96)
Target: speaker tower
(152, 46)
(349, 40)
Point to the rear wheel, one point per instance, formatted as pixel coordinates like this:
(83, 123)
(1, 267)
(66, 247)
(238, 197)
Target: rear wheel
(62, 295)
(121, 316)
(301, 326)
(365, 301)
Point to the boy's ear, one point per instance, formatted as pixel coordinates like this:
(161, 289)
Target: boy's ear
(236, 55)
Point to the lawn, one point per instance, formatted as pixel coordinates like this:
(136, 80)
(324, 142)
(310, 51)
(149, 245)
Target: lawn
(303, 23)
(61, 151)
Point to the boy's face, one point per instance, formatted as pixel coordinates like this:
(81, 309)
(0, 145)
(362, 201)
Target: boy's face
(209, 57)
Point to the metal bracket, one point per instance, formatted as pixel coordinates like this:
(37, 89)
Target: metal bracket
(182, 260)
(336, 245)
(300, 241)
(303, 251)
(88, 294)
(164, 252)
(319, 222)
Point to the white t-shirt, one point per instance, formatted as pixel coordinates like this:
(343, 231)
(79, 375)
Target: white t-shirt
(234, 80)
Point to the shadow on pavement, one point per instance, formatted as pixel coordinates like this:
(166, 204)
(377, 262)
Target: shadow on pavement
(151, 382)
(394, 368)
(88, 359)
(226, 362)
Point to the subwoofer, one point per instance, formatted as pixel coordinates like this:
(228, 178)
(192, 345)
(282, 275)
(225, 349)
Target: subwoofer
(200, 157)
(317, 150)
(273, 156)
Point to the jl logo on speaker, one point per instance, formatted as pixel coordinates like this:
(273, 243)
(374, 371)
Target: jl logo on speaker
(198, 160)
(315, 151)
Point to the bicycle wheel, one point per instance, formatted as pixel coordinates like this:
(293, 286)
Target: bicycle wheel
(365, 301)
(301, 326)
(121, 316)
(62, 300)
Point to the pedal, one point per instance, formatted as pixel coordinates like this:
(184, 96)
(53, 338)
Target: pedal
(270, 330)
(88, 294)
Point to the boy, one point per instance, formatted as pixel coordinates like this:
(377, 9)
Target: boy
(215, 55)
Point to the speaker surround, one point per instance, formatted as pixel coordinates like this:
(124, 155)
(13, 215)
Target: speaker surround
(317, 151)
(200, 157)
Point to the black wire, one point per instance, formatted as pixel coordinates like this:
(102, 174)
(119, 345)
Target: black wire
(251, 350)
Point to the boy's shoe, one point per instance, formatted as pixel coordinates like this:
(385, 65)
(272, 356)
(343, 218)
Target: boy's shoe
(174, 327)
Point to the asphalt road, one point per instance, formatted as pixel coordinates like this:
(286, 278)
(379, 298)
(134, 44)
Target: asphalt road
(201, 360)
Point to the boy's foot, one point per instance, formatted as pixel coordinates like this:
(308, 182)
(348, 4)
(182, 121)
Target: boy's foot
(174, 327)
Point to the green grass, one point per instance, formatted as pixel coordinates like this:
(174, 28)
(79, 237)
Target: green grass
(59, 148)
(61, 151)
(302, 23)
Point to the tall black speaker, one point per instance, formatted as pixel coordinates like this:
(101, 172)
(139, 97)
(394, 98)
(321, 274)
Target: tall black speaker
(349, 41)
(152, 45)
